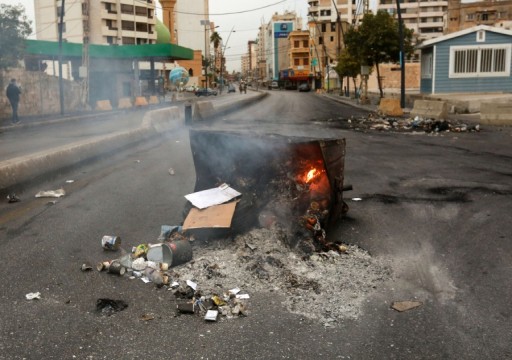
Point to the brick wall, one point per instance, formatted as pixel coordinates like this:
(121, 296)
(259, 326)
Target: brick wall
(390, 74)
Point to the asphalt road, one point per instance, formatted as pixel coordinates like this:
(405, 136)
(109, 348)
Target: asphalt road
(435, 206)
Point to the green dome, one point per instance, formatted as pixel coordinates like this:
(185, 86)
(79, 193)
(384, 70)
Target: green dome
(163, 35)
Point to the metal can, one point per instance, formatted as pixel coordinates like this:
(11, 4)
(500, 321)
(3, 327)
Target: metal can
(116, 268)
(110, 242)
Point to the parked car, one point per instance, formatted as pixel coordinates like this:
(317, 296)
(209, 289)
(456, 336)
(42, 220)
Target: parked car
(274, 85)
(231, 88)
(205, 92)
(304, 87)
(190, 88)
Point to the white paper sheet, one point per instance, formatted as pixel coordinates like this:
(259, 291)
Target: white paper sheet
(210, 197)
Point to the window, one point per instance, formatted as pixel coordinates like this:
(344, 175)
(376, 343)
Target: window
(305, 61)
(126, 9)
(485, 17)
(305, 43)
(323, 28)
(333, 26)
(296, 44)
(320, 40)
(426, 66)
(480, 36)
(470, 17)
(296, 62)
(332, 39)
(127, 25)
(483, 60)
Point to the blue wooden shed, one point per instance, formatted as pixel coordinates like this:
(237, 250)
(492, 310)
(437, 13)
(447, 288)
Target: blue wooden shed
(477, 59)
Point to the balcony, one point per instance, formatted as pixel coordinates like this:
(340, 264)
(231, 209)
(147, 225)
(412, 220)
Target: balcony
(108, 31)
(110, 15)
(431, 24)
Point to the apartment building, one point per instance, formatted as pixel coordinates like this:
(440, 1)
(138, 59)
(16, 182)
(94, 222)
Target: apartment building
(276, 33)
(299, 70)
(261, 58)
(121, 22)
(426, 17)
(462, 16)
(327, 11)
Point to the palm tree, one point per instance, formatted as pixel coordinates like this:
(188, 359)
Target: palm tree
(216, 39)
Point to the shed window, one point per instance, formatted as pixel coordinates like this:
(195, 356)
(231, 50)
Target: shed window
(426, 66)
(479, 61)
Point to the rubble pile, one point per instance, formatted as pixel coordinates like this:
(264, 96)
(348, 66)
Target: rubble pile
(417, 124)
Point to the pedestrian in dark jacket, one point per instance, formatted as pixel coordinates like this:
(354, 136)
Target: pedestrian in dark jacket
(13, 94)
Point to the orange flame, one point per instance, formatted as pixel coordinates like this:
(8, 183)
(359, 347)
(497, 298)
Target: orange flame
(311, 175)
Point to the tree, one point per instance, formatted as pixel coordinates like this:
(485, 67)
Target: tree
(348, 65)
(14, 29)
(377, 41)
(215, 39)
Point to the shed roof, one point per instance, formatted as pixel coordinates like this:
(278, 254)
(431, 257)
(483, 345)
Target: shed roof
(50, 49)
(463, 32)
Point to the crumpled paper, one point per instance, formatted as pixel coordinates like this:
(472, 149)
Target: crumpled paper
(51, 193)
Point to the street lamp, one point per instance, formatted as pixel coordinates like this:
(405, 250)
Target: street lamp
(222, 59)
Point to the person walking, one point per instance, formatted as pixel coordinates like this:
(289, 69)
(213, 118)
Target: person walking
(13, 94)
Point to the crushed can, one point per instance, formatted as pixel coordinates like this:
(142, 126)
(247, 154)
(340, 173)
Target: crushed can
(112, 243)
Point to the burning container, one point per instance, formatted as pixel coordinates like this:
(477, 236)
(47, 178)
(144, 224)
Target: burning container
(293, 183)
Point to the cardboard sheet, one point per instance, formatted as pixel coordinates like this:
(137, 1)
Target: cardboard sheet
(217, 216)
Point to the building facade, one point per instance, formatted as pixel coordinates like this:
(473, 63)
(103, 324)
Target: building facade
(466, 15)
(299, 59)
(121, 22)
(276, 43)
(427, 18)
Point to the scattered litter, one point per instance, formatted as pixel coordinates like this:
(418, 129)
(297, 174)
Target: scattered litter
(186, 307)
(86, 267)
(111, 242)
(357, 199)
(108, 307)
(70, 181)
(33, 296)
(402, 306)
(251, 246)
(12, 198)
(147, 317)
(382, 123)
(210, 197)
(192, 284)
(234, 291)
(211, 315)
(137, 161)
(243, 296)
(51, 193)
(51, 202)
(171, 171)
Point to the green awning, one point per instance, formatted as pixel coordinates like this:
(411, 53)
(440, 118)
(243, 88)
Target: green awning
(50, 49)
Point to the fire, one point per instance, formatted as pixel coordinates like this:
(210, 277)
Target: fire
(311, 175)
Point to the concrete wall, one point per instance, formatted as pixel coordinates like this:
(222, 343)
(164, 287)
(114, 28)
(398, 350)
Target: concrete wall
(40, 93)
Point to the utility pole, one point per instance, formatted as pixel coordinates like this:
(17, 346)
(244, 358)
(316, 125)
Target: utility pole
(338, 52)
(61, 85)
(85, 54)
(402, 62)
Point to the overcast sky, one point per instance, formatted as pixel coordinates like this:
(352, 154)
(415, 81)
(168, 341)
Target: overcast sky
(241, 16)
